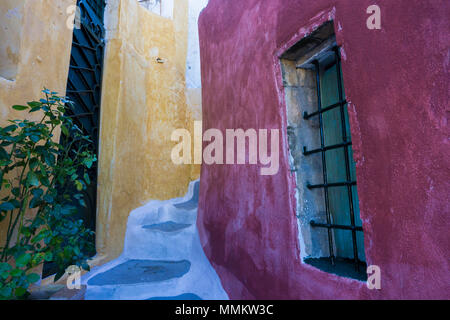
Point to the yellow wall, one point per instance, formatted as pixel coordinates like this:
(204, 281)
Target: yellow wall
(194, 113)
(143, 101)
(10, 34)
(39, 45)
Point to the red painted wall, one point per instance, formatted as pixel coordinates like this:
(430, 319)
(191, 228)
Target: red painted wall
(397, 82)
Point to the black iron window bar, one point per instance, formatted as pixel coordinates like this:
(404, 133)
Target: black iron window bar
(346, 144)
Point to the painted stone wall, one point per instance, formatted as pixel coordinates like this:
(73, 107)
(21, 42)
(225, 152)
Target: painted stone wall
(193, 72)
(144, 99)
(396, 80)
(35, 45)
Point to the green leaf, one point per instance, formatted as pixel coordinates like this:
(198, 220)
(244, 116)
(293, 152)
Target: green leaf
(19, 154)
(32, 179)
(34, 162)
(5, 266)
(16, 272)
(3, 154)
(34, 104)
(19, 292)
(5, 292)
(34, 138)
(34, 203)
(12, 127)
(48, 198)
(20, 108)
(26, 231)
(35, 109)
(37, 259)
(82, 203)
(33, 277)
(48, 256)
(4, 163)
(38, 238)
(86, 178)
(37, 192)
(64, 130)
(43, 169)
(15, 203)
(49, 159)
(88, 163)
(23, 260)
(79, 185)
(68, 210)
(85, 266)
(7, 206)
(44, 180)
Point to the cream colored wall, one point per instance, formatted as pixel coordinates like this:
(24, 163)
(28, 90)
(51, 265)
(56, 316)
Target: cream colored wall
(194, 113)
(43, 59)
(143, 101)
(11, 13)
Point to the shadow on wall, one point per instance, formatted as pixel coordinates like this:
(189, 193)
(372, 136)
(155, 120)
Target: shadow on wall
(162, 7)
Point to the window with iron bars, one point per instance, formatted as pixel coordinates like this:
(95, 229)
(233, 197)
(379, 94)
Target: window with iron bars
(331, 229)
(339, 172)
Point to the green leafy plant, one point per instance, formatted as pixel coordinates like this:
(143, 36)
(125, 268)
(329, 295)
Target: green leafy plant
(41, 180)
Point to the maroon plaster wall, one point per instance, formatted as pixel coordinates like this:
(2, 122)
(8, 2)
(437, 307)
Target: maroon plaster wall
(397, 82)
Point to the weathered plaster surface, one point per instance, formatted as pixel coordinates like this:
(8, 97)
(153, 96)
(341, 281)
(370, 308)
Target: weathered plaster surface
(193, 72)
(143, 102)
(43, 53)
(397, 83)
(160, 7)
(11, 14)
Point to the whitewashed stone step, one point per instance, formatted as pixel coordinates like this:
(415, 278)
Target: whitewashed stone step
(169, 226)
(162, 258)
(184, 296)
(142, 243)
(141, 271)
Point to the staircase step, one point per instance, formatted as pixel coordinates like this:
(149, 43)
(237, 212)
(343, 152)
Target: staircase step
(193, 202)
(141, 271)
(151, 244)
(161, 241)
(164, 213)
(184, 296)
(169, 226)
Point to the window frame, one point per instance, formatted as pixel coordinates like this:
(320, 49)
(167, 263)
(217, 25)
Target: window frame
(318, 235)
(323, 149)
